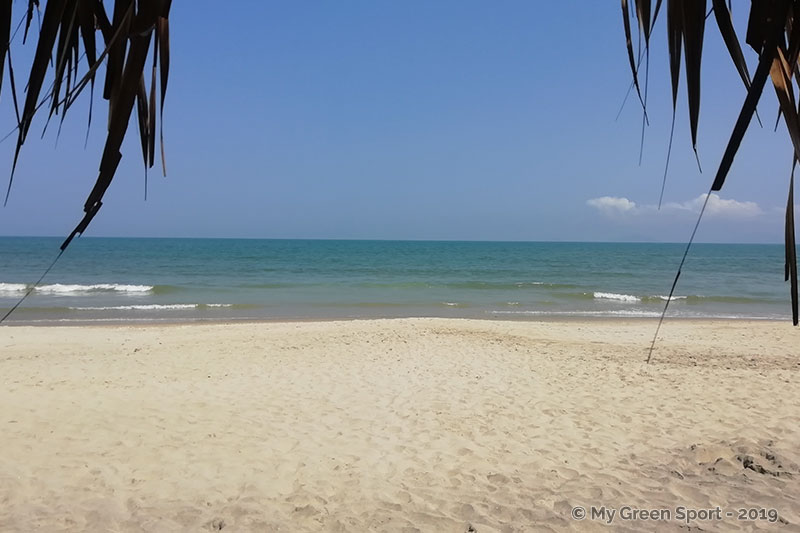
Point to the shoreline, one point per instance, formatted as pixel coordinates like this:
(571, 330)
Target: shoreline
(166, 322)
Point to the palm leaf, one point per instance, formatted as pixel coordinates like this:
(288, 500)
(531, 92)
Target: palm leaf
(791, 250)
(67, 32)
(764, 38)
(781, 79)
(723, 17)
(745, 115)
(773, 31)
(694, 21)
(29, 17)
(162, 31)
(5, 32)
(643, 14)
(674, 43)
(629, 45)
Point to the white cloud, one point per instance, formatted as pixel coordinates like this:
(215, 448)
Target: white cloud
(717, 207)
(611, 205)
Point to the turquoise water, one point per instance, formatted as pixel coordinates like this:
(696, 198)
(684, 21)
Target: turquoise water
(101, 279)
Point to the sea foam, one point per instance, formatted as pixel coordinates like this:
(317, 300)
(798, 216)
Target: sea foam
(59, 288)
(148, 307)
(617, 297)
(620, 313)
(671, 299)
(12, 287)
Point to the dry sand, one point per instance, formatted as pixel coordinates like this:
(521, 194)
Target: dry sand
(396, 425)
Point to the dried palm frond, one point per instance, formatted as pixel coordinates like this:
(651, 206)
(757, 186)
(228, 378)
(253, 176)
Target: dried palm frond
(775, 38)
(68, 32)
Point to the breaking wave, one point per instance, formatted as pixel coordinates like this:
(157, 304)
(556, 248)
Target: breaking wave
(617, 297)
(150, 307)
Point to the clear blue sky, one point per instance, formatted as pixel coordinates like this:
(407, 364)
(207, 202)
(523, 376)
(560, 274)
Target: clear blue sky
(453, 119)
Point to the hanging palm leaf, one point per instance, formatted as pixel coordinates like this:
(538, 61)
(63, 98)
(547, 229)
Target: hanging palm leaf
(775, 38)
(68, 32)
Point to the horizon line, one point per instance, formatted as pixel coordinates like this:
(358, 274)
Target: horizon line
(350, 239)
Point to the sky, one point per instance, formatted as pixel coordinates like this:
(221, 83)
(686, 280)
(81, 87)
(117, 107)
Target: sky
(454, 119)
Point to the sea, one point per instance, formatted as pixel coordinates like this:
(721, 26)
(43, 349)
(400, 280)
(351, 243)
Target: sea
(124, 280)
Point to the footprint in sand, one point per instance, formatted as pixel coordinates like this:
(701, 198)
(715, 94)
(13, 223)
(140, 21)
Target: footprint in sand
(498, 479)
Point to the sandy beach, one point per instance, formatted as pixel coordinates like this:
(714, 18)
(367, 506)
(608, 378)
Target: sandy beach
(399, 425)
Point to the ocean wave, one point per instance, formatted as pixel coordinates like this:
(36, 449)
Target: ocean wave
(12, 287)
(664, 298)
(691, 299)
(395, 285)
(639, 313)
(144, 307)
(699, 299)
(618, 297)
(149, 307)
(634, 313)
(465, 285)
(60, 288)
